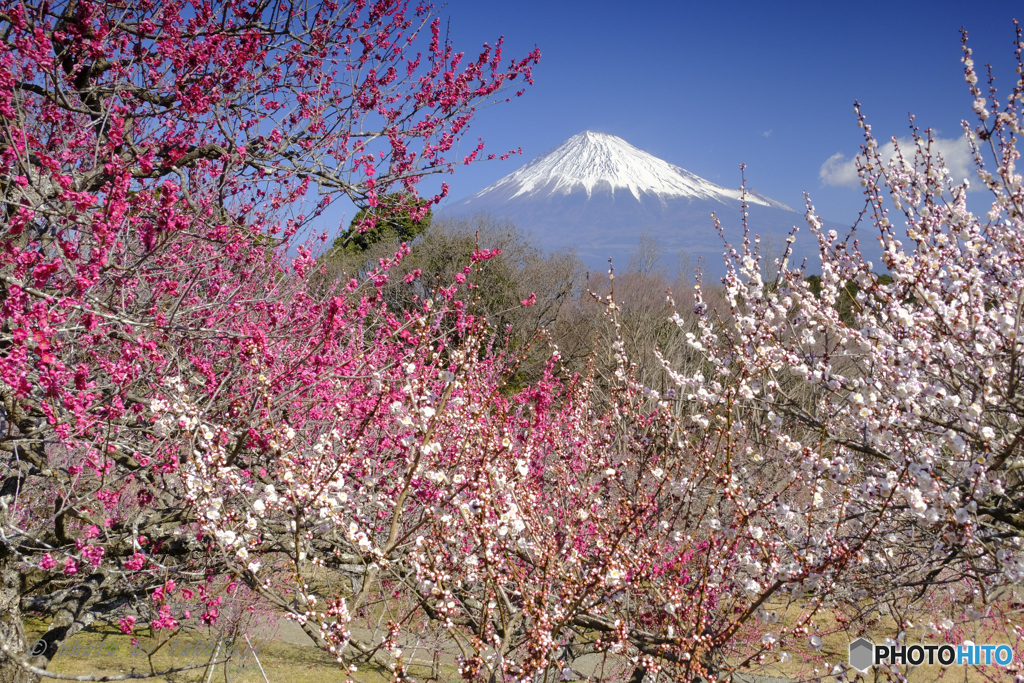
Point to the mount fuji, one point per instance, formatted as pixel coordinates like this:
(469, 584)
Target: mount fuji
(597, 194)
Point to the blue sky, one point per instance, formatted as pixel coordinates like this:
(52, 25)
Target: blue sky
(711, 85)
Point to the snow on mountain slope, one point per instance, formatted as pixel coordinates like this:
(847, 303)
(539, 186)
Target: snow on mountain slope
(589, 161)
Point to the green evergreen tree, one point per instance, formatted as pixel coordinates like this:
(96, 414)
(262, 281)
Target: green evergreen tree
(398, 217)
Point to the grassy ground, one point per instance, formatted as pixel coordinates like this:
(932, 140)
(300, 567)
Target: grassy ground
(106, 651)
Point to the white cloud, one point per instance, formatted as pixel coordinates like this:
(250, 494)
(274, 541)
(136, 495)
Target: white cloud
(841, 171)
(767, 133)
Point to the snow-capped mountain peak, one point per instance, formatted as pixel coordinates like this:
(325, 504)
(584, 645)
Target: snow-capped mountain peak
(596, 194)
(589, 162)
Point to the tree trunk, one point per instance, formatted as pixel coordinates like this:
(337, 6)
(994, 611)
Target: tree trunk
(12, 633)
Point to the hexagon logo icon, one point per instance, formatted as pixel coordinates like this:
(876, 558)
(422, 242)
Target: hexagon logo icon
(862, 654)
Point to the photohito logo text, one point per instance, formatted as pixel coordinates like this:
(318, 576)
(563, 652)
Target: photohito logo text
(864, 654)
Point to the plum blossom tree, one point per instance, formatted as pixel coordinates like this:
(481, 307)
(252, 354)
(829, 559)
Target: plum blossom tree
(840, 449)
(153, 155)
(897, 419)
